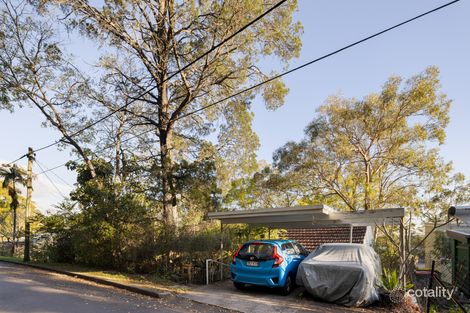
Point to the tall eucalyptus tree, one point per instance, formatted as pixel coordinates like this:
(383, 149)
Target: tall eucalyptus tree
(160, 38)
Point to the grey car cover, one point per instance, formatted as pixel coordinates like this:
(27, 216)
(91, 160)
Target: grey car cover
(342, 273)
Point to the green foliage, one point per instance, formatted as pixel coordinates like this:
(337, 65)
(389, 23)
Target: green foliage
(196, 183)
(390, 280)
(139, 56)
(108, 226)
(369, 153)
(5, 214)
(442, 247)
(388, 252)
(174, 172)
(449, 191)
(6, 218)
(249, 193)
(265, 188)
(238, 144)
(12, 177)
(32, 58)
(373, 153)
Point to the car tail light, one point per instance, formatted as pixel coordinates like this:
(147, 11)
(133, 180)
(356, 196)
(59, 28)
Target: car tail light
(278, 259)
(236, 254)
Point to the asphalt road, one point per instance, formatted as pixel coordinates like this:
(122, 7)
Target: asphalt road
(24, 289)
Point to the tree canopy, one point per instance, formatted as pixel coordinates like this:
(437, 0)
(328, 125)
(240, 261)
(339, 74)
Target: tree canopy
(375, 152)
(146, 70)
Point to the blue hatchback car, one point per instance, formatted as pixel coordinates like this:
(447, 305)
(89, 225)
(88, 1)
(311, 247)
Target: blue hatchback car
(271, 263)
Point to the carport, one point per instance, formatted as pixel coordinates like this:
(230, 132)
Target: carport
(310, 217)
(221, 293)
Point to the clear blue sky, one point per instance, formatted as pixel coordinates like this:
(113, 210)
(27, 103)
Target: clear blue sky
(439, 39)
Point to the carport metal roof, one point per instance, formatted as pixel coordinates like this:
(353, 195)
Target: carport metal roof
(309, 217)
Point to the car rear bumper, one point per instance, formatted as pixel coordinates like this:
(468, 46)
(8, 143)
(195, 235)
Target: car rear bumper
(275, 278)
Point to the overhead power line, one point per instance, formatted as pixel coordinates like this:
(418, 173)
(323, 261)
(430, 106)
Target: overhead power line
(50, 180)
(318, 59)
(14, 161)
(296, 68)
(54, 168)
(213, 48)
(104, 148)
(53, 173)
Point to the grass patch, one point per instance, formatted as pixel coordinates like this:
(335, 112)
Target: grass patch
(11, 258)
(144, 280)
(110, 274)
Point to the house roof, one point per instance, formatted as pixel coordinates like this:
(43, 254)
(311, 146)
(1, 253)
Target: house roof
(311, 238)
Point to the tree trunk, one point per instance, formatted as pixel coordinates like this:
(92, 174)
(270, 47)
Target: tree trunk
(118, 160)
(165, 127)
(170, 211)
(367, 186)
(13, 247)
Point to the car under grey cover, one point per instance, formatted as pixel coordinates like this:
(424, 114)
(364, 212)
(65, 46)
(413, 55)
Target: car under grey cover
(342, 273)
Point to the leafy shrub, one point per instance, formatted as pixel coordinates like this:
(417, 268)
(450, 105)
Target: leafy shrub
(389, 280)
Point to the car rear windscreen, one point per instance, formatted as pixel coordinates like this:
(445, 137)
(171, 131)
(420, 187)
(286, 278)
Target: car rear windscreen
(261, 251)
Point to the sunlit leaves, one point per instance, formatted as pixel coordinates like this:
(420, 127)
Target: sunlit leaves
(374, 152)
(274, 94)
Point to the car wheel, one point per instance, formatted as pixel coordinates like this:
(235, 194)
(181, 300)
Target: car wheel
(239, 286)
(288, 286)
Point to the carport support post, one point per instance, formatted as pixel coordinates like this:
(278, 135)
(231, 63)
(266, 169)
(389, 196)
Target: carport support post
(207, 271)
(402, 255)
(221, 251)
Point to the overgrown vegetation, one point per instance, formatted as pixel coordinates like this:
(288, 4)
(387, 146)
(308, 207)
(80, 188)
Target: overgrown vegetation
(148, 176)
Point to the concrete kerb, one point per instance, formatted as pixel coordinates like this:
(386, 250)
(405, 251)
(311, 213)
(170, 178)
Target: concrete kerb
(142, 291)
(139, 290)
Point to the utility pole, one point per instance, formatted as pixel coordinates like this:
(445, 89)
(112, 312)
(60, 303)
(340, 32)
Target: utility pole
(29, 192)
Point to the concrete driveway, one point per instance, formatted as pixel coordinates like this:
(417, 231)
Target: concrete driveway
(263, 300)
(23, 289)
